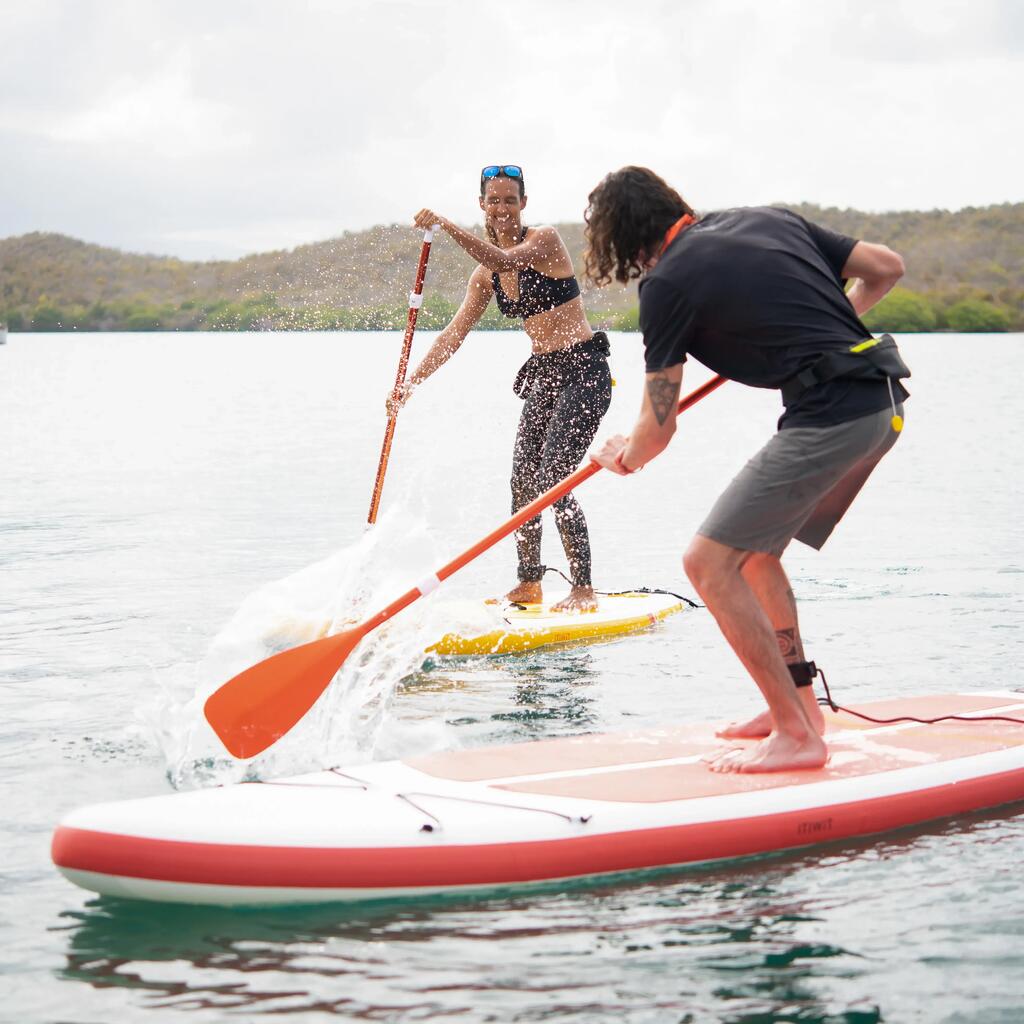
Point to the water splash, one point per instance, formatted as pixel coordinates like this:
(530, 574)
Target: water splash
(351, 721)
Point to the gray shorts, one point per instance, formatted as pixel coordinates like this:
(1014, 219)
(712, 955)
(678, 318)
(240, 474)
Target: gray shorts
(800, 484)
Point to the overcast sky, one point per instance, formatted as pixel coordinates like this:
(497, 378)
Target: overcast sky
(213, 128)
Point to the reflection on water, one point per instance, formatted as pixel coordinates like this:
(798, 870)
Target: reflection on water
(535, 695)
(742, 943)
(361, 961)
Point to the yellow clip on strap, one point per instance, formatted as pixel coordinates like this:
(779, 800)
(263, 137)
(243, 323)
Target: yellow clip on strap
(862, 346)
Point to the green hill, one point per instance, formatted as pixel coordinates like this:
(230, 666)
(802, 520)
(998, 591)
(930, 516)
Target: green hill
(965, 271)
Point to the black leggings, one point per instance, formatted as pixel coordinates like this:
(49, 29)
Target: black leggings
(566, 393)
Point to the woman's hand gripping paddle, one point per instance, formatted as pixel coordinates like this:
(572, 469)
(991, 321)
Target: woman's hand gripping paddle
(415, 301)
(257, 707)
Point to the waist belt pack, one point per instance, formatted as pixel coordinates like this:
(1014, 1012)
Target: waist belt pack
(874, 359)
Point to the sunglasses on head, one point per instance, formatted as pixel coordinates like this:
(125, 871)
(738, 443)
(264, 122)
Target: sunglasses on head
(501, 171)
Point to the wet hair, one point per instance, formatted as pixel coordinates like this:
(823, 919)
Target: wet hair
(627, 216)
(519, 181)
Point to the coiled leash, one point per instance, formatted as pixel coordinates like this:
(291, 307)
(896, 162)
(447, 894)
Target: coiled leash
(805, 672)
(613, 593)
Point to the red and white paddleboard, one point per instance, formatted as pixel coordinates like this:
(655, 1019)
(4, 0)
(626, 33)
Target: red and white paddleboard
(530, 813)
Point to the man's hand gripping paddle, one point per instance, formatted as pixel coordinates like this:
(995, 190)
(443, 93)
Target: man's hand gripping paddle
(257, 707)
(415, 301)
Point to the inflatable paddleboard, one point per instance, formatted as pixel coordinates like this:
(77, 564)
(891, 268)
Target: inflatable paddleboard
(513, 816)
(525, 627)
(515, 628)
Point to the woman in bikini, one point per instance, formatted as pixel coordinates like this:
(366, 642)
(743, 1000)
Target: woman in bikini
(565, 385)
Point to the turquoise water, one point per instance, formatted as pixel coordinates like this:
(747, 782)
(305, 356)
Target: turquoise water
(165, 500)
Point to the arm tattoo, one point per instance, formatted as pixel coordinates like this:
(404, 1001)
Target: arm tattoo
(662, 393)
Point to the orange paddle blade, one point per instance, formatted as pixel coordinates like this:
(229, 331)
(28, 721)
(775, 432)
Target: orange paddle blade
(258, 706)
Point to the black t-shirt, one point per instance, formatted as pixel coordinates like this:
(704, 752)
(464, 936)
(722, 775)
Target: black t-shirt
(757, 295)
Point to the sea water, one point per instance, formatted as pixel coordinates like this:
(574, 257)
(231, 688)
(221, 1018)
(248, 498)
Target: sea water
(175, 507)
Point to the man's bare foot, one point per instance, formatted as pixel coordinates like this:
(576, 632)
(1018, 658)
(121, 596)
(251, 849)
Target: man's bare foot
(761, 725)
(717, 755)
(580, 599)
(780, 752)
(529, 592)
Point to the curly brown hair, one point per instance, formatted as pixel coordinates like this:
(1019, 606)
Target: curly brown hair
(627, 216)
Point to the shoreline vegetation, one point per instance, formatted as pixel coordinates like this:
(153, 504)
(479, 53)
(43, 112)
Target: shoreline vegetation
(965, 273)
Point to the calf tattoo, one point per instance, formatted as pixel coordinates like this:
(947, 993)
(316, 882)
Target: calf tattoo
(789, 645)
(663, 394)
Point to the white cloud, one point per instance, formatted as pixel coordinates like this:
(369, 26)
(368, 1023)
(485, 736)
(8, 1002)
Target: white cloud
(158, 114)
(202, 129)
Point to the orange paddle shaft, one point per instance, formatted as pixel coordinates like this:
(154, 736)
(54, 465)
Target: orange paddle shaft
(415, 301)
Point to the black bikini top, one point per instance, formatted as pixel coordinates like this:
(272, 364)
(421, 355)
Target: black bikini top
(537, 293)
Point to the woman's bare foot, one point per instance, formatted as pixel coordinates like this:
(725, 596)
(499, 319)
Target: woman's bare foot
(761, 725)
(529, 592)
(780, 752)
(580, 599)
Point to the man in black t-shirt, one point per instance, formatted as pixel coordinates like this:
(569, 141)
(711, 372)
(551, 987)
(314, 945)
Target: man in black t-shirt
(757, 295)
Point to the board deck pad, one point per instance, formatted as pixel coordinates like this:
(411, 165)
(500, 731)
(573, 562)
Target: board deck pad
(613, 768)
(533, 813)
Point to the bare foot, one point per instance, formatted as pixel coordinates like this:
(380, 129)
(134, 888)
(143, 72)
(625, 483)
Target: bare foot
(524, 593)
(717, 755)
(778, 753)
(761, 725)
(580, 599)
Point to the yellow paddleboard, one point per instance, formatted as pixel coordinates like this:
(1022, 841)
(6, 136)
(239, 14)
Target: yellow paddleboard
(522, 628)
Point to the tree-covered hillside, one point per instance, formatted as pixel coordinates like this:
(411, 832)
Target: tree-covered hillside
(965, 271)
